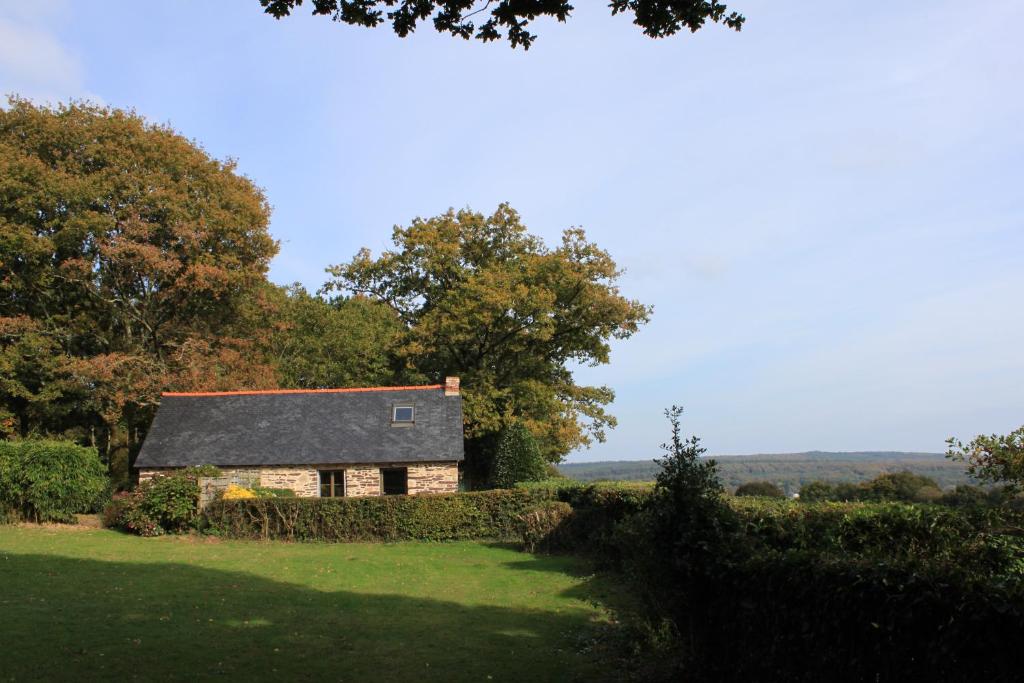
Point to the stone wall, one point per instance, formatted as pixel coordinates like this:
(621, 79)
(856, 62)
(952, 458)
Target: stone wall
(360, 480)
(441, 477)
(303, 480)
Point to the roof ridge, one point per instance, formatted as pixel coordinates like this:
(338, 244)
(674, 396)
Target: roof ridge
(258, 392)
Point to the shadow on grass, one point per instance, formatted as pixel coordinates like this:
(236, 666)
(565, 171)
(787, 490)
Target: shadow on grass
(68, 618)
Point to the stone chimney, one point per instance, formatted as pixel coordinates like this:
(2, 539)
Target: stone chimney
(451, 386)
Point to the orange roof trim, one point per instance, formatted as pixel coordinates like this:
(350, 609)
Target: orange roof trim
(259, 392)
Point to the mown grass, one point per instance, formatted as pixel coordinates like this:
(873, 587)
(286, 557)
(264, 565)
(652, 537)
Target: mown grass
(97, 604)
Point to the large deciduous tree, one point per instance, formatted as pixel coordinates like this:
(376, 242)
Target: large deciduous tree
(126, 254)
(508, 18)
(482, 298)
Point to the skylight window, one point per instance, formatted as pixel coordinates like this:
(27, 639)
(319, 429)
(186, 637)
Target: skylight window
(403, 414)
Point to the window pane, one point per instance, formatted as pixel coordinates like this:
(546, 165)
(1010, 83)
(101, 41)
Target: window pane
(403, 414)
(325, 484)
(395, 481)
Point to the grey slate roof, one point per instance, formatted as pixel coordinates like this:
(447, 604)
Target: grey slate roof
(345, 427)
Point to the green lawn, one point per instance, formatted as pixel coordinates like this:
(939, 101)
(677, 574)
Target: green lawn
(100, 604)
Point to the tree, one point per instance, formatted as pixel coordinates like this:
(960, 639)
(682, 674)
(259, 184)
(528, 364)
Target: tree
(481, 298)
(517, 458)
(992, 458)
(344, 342)
(904, 486)
(760, 488)
(124, 249)
(673, 546)
(657, 18)
(816, 491)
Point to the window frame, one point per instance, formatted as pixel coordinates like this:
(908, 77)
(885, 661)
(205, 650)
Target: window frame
(403, 406)
(334, 477)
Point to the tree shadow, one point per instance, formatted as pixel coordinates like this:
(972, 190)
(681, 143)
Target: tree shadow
(66, 618)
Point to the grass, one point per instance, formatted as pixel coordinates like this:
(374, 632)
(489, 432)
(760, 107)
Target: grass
(90, 604)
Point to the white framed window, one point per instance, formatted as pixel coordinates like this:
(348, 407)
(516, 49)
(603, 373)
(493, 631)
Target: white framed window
(403, 414)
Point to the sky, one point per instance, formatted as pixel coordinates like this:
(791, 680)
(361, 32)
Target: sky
(826, 210)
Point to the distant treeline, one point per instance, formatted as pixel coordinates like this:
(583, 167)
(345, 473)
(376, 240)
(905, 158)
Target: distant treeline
(789, 470)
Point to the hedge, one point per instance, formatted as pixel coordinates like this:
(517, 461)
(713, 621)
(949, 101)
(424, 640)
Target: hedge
(49, 481)
(802, 617)
(985, 540)
(432, 517)
(833, 591)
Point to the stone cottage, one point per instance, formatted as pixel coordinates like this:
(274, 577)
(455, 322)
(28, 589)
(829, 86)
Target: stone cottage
(319, 442)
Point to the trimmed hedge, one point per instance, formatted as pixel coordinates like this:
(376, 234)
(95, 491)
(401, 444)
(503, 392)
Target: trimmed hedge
(50, 481)
(433, 517)
(546, 527)
(597, 509)
(802, 617)
(833, 591)
(985, 540)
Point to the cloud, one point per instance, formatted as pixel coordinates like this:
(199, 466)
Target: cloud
(34, 62)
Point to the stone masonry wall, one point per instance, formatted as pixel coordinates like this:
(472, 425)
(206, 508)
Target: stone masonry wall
(303, 480)
(442, 477)
(360, 480)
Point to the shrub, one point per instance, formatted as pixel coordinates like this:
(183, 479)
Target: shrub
(125, 511)
(764, 489)
(544, 527)
(517, 458)
(43, 480)
(166, 503)
(433, 517)
(236, 492)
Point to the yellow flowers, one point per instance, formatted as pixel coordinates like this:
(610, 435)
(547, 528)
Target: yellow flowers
(236, 492)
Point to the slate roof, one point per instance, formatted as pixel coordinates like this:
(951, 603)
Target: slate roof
(325, 426)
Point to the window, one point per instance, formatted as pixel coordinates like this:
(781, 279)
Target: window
(403, 414)
(394, 481)
(332, 483)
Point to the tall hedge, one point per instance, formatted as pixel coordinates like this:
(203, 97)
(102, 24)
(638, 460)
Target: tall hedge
(49, 481)
(517, 457)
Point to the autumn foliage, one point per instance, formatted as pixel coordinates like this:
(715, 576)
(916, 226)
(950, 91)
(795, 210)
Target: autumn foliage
(126, 255)
(132, 262)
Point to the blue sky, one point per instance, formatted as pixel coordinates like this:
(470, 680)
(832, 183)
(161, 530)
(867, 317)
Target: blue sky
(826, 210)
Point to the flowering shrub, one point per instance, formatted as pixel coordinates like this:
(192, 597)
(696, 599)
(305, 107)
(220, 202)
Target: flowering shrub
(125, 511)
(236, 492)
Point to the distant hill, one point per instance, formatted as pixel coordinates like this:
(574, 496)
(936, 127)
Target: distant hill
(789, 470)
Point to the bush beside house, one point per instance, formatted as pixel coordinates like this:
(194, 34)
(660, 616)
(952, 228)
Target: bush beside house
(163, 504)
(49, 481)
